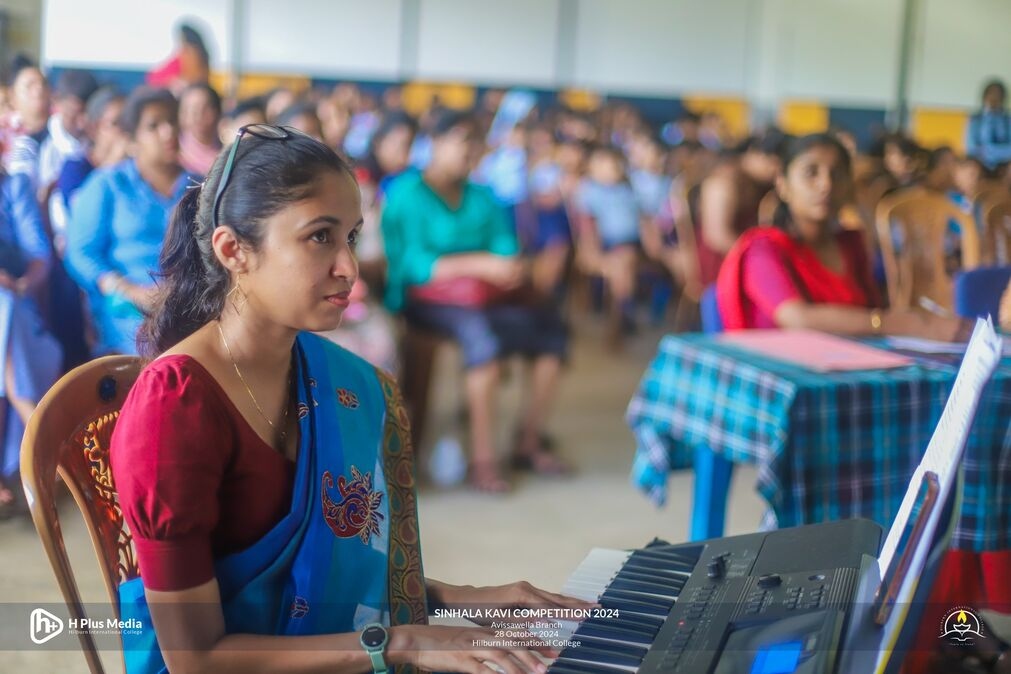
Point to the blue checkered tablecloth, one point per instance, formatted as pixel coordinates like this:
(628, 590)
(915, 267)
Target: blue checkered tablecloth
(828, 445)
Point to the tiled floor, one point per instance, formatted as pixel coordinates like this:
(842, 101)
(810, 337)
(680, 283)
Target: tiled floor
(539, 532)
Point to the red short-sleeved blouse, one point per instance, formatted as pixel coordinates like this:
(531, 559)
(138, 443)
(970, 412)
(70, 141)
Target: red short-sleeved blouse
(195, 481)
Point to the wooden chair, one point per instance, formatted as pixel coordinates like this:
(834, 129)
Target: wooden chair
(419, 351)
(767, 207)
(920, 219)
(995, 218)
(68, 437)
(869, 190)
(688, 317)
(988, 192)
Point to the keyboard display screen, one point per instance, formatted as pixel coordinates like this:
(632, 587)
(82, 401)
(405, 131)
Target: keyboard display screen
(778, 659)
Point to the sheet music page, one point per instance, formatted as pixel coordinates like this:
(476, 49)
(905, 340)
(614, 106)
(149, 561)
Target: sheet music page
(944, 452)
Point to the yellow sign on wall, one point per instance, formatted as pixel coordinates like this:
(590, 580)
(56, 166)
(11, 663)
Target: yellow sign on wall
(734, 111)
(800, 118)
(934, 127)
(418, 96)
(254, 84)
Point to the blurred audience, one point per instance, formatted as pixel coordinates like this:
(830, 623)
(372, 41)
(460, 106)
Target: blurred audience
(988, 137)
(807, 272)
(607, 234)
(475, 224)
(32, 360)
(190, 64)
(245, 112)
(301, 115)
(199, 117)
(119, 219)
(730, 196)
(454, 270)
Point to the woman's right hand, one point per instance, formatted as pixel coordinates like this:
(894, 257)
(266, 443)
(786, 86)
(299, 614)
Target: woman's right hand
(439, 648)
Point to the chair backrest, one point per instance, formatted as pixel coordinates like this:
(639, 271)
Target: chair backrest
(68, 436)
(988, 191)
(684, 230)
(869, 190)
(919, 220)
(767, 207)
(995, 217)
(978, 291)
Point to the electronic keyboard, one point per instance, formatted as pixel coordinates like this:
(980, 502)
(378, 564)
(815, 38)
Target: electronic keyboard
(763, 603)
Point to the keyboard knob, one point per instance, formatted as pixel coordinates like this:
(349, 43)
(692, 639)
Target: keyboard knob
(716, 568)
(769, 581)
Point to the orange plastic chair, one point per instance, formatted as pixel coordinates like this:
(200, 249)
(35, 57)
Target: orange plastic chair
(921, 218)
(68, 437)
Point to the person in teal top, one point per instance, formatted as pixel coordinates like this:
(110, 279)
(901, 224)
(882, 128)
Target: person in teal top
(477, 224)
(119, 216)
(454, 269)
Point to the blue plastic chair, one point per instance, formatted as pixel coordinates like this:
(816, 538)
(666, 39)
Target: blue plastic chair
(978, 291)
(710, 310)
(712, 471)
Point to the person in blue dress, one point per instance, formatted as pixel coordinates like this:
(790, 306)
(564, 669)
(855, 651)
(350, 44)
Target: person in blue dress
(119, 217)
(32, 357)
(988, 137)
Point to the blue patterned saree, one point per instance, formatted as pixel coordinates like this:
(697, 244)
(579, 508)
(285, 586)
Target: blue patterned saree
(348, 553)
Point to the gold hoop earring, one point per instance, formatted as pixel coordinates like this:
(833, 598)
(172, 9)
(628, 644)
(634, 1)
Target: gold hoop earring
(237, 298)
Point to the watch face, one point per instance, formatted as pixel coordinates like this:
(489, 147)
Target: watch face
(373, 637)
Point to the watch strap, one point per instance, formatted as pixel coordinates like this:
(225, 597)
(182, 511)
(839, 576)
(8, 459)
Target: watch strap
(378, 663)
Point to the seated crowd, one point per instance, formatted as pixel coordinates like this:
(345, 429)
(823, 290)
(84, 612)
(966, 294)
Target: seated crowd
(478, 227)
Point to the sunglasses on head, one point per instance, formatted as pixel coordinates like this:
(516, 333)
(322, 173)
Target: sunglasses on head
(264, 131)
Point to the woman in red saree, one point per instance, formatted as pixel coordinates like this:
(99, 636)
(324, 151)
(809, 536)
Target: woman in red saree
(804, 271)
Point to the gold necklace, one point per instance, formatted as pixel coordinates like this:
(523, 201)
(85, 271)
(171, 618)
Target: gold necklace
(287, 401)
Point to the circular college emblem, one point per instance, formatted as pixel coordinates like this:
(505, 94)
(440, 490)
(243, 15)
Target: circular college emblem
(961, 626)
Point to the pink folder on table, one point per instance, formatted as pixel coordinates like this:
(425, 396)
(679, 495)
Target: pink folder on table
(814, 350)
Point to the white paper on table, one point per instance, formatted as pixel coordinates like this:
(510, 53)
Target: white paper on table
(943, 454)
(932, 346)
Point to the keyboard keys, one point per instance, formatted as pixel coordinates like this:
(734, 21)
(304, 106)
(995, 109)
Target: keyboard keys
(604, 656)
(616, 632)
(661, 604)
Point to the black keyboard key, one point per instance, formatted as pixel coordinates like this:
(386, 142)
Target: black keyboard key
(605, 645)
(659, 603)
(623, 605)
(643, 621)
(655, 569)
(599, 655)
(669, 563)
(613, 632)
(635, 585)
(572, 667)
(624, 623)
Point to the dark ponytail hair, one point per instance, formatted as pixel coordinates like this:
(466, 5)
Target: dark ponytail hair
(794, 149)
(267, 175)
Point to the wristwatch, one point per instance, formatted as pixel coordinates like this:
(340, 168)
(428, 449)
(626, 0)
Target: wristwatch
(373, 640)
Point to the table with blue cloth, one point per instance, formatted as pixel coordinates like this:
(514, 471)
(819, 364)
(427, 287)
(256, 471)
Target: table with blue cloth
(828, 446)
